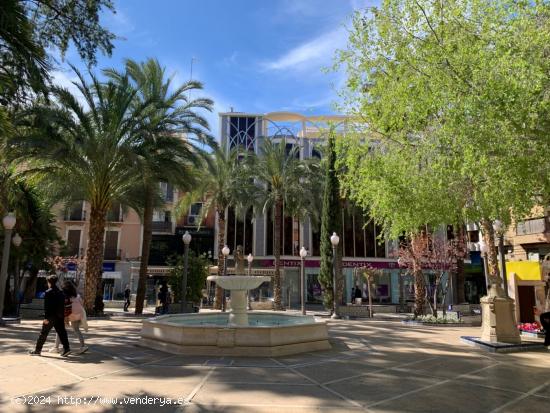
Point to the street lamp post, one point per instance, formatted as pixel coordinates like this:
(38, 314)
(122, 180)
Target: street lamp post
(483, 250)
(8, 222)
(16, 240)
(498, 226)
(225, 252)
(303, 255)
(249, 258)
(334, 240)
(186, 241)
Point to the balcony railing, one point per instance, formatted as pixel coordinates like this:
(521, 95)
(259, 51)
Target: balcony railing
(75, 252)
(75, 215)
(162, 226)
(112, 254)
(532, 226)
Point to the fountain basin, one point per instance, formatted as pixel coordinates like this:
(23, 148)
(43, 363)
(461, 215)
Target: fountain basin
(268, 334)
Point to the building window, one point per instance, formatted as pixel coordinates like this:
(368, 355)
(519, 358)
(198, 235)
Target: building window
(73, 242)
(111, 246)
(195, 209)
(242, 133)
(239, 230)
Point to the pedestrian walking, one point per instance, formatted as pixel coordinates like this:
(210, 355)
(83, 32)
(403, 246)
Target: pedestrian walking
(54, 302)
(127, 297)
(74, 314)
(163, 297)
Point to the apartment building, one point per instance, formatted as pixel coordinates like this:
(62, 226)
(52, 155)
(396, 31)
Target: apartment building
(123, 240)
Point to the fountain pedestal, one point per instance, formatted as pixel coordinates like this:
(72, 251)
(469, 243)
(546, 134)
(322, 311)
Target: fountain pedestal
(238, 285)
(238, 315)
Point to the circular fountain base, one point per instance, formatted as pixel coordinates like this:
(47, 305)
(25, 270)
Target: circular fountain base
(268, 334)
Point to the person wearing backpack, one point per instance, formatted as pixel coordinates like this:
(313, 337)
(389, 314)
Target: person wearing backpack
(54, 301)
(74, 314)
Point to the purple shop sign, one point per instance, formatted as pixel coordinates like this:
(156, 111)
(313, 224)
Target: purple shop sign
(315, 263)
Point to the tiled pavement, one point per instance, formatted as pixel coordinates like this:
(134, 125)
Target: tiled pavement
(375, 366)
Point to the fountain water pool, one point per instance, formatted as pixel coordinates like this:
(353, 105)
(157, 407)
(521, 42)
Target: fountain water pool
(238, 333)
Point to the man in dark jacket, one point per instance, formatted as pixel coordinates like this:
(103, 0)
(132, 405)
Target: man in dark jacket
(127, 297)
(54, 317)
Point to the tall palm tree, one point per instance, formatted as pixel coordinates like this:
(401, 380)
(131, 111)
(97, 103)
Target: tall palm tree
(284, 180)
(225, 182)
(86, 154)
(170, 146)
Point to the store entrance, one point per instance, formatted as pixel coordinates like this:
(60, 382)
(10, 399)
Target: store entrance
(526, 297)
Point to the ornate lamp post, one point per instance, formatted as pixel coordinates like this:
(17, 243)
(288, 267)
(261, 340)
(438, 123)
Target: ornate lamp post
(16, 241)
(225, 252)
(186, 241)
(303, 255)
(498, 318)
(9, 223)
(334, 240)
(498, 226)
(483, 250)
(249, 258)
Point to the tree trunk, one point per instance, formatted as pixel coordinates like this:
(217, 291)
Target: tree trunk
(489, 238)
(147, 236)
(460, 278)
(460, 281)
(94, 254)
(419, 281)
(221, 262)
(436, 286)
(277, 293)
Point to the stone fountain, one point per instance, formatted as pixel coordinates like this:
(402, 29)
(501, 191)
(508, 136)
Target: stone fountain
(239, 332)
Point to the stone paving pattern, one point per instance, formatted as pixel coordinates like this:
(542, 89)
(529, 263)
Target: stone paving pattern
(375, 366)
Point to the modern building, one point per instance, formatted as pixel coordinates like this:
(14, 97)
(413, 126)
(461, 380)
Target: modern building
(361, 244)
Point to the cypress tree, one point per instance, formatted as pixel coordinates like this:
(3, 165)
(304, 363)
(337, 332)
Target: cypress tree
(331, 221)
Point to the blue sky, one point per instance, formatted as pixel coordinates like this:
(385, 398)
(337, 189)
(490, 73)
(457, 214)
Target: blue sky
(252, 55)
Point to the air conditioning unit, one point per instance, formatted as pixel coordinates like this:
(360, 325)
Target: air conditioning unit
(192, 220)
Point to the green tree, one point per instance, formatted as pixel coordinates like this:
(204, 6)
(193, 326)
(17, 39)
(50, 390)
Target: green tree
(85, 154)
(224, 182)
(169, 148)
(331, 221)
(35, 224)
(283, 180)
(196, 277)
(32, 32)
(454, 100)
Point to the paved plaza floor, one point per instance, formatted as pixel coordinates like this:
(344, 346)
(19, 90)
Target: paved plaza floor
(375, 366)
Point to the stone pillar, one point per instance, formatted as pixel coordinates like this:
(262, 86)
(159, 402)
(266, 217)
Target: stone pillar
(498, 323)
(238, 315)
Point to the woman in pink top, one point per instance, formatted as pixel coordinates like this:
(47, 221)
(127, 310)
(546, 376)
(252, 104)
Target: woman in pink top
(77, 316)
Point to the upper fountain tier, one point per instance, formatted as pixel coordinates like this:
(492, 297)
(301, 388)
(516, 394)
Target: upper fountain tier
(239, 282)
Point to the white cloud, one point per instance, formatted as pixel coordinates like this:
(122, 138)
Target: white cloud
(314, 53)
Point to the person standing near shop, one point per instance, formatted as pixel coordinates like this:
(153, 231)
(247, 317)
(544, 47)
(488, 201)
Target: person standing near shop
(127, 297)
(54, 317)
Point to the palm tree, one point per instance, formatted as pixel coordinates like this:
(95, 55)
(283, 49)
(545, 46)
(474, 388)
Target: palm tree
(225, 182)
(168, 150)
(284, 180)
(86, 154)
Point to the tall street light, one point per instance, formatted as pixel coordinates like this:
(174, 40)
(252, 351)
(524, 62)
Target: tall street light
(303, 255)
(334, 240)
(498, 226)
(483, 250)
(249, 258)
(225, 252)
(16, 241)
(186, 241)
(8, 222)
